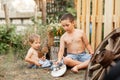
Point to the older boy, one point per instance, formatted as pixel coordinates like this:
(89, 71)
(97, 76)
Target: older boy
(75, 41)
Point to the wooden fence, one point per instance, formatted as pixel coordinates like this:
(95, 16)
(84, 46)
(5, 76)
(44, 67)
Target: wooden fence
(97, 18)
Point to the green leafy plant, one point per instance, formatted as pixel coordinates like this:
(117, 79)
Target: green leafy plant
(5, 38)
(9, 39)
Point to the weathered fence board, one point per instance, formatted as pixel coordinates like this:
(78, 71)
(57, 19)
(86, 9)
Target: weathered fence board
(108, 16)
(88, 17)
(117, 12)
(102, 15)
(94, 11)
(99, 27)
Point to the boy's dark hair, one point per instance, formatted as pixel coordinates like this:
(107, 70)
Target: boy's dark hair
(32, 37)
(67, 16)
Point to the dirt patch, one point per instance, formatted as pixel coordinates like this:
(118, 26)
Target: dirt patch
(11, 69)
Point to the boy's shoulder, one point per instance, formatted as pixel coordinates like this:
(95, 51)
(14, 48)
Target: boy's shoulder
(79, 30)
(31, 50)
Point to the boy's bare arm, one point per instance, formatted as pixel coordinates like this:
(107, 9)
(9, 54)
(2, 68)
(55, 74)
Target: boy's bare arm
(61, 50)
(28, 59)
(90, 49)
(88, 46)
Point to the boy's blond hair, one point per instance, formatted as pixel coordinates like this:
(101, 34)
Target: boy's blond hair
(33, 37)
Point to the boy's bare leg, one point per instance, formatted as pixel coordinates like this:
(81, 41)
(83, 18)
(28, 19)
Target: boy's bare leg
(70, 62)
(80, 66)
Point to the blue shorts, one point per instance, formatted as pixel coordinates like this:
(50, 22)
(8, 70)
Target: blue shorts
(46, 63)
(79, 57)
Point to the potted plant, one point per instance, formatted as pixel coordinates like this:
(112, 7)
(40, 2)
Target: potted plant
(56, 31)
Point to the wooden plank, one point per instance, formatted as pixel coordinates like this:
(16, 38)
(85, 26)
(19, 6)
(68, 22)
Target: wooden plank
(78, 13)
(75, 4)
(39, 3)
(6, 15)
(35, 16)
(117, 13)
(108, 17)
(83, 14)
(94, 7)
(99, 26)
(88, 19)
(44, 11)
(17, 15)
(97, 18)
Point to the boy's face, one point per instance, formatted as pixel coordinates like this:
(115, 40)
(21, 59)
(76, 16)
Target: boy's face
(36, 44)
(67, 25)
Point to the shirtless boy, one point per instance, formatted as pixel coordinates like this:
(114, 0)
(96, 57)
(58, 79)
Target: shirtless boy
(76, 42)
(32, 56)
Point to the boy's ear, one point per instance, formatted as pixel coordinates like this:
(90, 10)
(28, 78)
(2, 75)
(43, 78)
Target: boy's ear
(74, 22)
(30, 43)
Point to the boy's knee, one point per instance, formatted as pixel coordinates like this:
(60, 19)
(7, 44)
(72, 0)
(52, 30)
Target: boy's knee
(66, 60)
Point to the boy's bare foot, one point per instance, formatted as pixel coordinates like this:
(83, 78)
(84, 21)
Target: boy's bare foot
(75, 69)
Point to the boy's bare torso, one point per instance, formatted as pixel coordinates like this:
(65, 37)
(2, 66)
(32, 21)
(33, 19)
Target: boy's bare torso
(34, 54)
(74, 42)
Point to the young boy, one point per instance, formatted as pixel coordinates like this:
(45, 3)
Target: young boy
(32, 56)
(76, 42)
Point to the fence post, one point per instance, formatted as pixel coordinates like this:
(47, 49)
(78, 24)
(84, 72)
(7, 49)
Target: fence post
(78, 13)
(108, 17)
(6, 11)
(36, 11)
(83, 15)
(94, 9)
(117, 13)
(44, 11)
(88, 19)
(99, 26)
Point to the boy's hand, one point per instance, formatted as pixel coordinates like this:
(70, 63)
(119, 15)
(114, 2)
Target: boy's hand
(38, 64)
(57, 62)
(92, 54)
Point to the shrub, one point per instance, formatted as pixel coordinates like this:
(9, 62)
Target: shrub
(10, 39)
